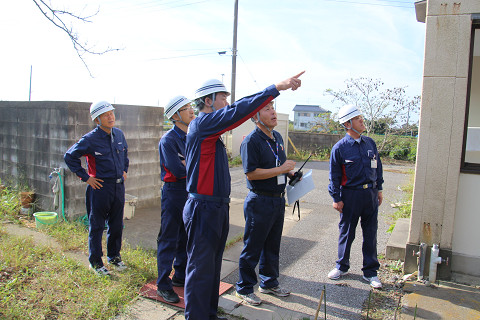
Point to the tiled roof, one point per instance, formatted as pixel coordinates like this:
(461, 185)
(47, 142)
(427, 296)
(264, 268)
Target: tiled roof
(309, 107)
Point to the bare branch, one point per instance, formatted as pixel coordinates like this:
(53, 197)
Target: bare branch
(388, 109)
(55, 17)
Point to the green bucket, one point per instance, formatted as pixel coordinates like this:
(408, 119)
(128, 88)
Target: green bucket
(43, 219)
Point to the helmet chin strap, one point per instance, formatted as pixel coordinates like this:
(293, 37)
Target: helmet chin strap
(213, 101)
(351, 127)
(100, 124)
(181, 120)
(263, 124)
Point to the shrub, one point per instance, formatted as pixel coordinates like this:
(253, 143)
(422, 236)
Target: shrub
(396, 147)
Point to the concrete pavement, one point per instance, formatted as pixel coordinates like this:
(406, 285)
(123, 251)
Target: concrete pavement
(308, 252)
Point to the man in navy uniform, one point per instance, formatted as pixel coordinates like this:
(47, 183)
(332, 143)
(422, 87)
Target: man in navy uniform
(208, 182)
(172, 239)
(105, 149)
(266, 167)
(356, 180)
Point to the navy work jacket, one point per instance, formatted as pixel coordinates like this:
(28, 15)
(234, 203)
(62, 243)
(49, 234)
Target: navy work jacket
(107, 157)
(172, 151)
(351, 165)
(207, 161)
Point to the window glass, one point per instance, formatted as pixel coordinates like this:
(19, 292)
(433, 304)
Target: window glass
(471, 159)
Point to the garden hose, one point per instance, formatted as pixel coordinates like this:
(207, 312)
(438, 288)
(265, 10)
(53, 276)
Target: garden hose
(58, 173)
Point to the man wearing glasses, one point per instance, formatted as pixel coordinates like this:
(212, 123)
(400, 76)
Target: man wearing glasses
(172, 239)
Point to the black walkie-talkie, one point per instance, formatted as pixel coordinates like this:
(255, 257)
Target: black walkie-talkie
(298, 175)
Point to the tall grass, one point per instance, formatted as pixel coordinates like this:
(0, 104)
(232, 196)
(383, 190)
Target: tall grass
(9, 203)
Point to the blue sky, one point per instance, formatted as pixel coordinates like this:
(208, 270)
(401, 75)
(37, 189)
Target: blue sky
(170, 47)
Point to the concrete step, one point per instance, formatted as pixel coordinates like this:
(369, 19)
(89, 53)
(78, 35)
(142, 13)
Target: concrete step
(398, 240)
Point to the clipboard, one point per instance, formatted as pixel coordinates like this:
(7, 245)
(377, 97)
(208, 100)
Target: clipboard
(301, 188)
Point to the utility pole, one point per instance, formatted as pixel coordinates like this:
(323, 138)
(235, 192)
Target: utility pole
(234, 52)
(30, 87)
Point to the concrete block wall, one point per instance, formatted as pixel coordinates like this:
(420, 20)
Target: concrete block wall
(312, 142)
(35, 135)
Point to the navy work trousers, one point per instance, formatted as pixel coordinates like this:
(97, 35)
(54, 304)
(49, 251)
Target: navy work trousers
(207, 224)
(105, 204)
(359, 204)
(172, 239)
(264, 218)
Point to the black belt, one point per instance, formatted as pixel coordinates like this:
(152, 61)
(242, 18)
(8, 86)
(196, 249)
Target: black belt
(112, 180)
(208, 198)
(181, 183)
(269, 194)
(362, 186)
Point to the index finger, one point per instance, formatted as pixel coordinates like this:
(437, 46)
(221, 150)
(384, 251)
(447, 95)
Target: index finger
(298, 75)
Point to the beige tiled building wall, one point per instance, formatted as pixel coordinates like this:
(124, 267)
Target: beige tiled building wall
(439, 209)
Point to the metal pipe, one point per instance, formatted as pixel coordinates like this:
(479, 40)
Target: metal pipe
(421, 260)
(421, 255)
(434, 261)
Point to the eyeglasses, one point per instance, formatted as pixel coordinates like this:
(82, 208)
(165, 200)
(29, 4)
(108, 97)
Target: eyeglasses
(186, 108)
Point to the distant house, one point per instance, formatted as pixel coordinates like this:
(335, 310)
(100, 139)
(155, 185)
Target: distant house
(306, 116)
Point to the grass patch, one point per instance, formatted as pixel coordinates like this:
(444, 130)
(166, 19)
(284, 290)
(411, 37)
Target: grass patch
(404, 209)
(9, 204)
(231, 242)
(39, 282)
(385, 303)
(235, 161)
(70, 236)
(319, 155)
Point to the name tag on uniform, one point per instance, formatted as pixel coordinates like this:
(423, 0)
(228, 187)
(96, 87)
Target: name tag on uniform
(281, 179)
(373, 159)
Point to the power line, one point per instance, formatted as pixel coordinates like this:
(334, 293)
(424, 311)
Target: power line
(375, 4)
(185, 56)
(155, 5)
(248, 70)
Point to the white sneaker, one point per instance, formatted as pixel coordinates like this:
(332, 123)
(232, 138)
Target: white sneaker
(277, 291)
(374, 282)
(251, 298)
(118, 265)
(336, 274)
(101, 271)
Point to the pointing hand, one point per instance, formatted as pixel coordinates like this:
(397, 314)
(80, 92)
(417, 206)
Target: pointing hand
(291, 83)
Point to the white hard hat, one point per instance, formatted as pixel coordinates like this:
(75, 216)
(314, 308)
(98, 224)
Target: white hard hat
(97, 108)
(210, 86)
(174, 105)
(347, 112)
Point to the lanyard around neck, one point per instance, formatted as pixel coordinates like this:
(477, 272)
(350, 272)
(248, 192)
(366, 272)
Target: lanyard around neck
(275, 154)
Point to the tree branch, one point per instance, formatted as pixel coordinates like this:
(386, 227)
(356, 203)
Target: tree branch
(55, 17)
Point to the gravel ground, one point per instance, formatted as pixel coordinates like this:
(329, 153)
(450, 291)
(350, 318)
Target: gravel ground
(386, 303)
